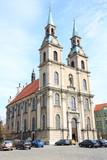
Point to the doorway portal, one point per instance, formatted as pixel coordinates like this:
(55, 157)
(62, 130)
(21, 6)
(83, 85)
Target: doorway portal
(74, 129)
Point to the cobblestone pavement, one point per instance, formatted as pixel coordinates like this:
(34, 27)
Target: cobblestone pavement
(56, 153)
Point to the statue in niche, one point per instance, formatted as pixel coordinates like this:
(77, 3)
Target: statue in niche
(71, 79)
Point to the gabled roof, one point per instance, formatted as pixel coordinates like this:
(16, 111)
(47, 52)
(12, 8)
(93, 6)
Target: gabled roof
(98, 107)
(27, 91)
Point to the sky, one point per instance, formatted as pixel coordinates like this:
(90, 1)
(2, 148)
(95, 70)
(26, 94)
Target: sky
(22, 24)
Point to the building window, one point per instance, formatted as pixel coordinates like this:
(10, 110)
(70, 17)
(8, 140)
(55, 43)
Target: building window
(44, 56)
(44, 100)
(57, 121)
(73, 43)
(44, 122)
(17, 126)
(106, 122)
(84, 85)
(47, 31)
(33, 123)
(72, 64)
(52, 31)
(105, 114)
(71, 79)
(13, 109)
(25, 125)
(78, 43)
(86, 104)
(55, 56)
(12, 126)
(98, 122)
(88, 123)
(72, 103)
(82, 65)
(18, 110)
(44, 79)
(56, 78)
(34, 104)
(26, 107)
(57, 100)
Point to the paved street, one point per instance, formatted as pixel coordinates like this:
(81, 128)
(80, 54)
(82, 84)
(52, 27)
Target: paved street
(56, 153)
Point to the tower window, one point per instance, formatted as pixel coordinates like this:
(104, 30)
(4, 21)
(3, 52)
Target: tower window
(18, 110)
(52, 31)
(57, 121)
(47, 31)
(78, 43)
(44, 56)
(56, 78)
(55, 56)
(82, 65)
(72, 64)
(44, 79)
(84, 85)
(73, 42)
(86, 104)
(57, 100)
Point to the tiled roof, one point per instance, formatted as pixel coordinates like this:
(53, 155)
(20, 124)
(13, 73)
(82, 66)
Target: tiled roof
(99, 106)
(28, 90)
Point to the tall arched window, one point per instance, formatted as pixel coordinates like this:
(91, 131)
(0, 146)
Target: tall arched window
(44, 56)
(88, 123)
(56, 78)
(82, 65)
(55, 56)
(44, 79)
(17, 126)
(84, 85)
(18, 110)
(34, 103)
(33, 123)
(25, 125)
(25, 107)
(57, 100)
(44, 122)
(52, 31)
(72, 64)
(86, 104)
(78, 43)
(72, 102)
(57, 121)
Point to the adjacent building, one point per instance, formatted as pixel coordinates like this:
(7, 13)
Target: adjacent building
(101, 120)
(58, 105)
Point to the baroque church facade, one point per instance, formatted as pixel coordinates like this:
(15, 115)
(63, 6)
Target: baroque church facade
(58, 105)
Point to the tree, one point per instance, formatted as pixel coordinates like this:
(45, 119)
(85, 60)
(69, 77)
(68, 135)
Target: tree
(1, 132)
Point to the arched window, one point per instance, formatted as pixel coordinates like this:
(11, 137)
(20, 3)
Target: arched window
(44, 122)
(57, 121)
(55, 56)
(72, 102)
(88, 123)
(18, 110)
(34, 104)
(56, 78)
(25, 107)
(72, 64)
(47, 31)
(57, 100)
(71, 79)
(84, 85)
(44, 79)
(33, 123)
(86, 104)
(73, 42)
(44, 100)
(52, 31)
(82, 65)
(44, 56)
(78, 43)
(17, 126)
(25, 125)
(74, 123)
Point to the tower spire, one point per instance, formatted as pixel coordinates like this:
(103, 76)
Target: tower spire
(75, 33)
(50, 20)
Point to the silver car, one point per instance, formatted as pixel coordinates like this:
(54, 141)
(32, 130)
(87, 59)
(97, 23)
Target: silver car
(6, 145)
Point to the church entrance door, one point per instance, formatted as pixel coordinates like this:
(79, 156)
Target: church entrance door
(74, 129)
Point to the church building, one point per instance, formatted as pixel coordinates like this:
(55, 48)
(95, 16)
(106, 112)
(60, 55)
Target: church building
(58, 105)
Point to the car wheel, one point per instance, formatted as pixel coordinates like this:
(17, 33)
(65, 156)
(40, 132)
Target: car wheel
(90, 146)
(80, 145)
(29, 148)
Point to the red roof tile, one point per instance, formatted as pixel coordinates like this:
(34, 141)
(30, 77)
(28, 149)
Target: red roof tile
(99, 106)
(28, 90)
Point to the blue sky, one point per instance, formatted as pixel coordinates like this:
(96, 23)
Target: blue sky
(22, 25)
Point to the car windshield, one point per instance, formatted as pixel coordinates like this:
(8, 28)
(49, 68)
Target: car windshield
(8, 142)
(27, 142)
(103, 140)
(93, 141)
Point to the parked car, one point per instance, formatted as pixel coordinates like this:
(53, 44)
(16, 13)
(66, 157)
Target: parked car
(6, 145)
(102, 142)
(23, 145)
(37, 143)
(63, 142)
(73, 142)
(89, 143)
